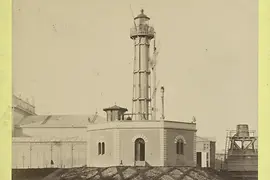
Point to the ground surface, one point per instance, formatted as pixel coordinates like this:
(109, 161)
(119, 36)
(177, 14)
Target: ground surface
(134, 173)
(31, 174)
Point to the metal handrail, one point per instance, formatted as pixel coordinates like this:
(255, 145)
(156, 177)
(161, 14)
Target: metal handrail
(142, 30)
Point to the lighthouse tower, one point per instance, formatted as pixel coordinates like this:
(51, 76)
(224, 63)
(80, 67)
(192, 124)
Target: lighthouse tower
(140, 142)
(141, 34)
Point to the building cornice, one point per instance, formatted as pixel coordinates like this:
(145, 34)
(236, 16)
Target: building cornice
(143, 125)
(51, 126)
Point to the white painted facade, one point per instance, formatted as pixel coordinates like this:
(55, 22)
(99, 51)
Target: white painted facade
(45, 153)
(206, 148)
(160, 139)
(61, 146)
(39, 140)
(204, 159)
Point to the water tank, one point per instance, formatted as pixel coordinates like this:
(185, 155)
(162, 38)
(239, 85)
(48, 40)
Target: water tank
(242, 130)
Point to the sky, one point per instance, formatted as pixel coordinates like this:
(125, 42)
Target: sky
(74, 57)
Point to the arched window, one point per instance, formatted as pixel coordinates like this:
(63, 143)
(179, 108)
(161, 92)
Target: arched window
(139, 150)
(103, 148)
(180, 143)
(180, 147)
(99, 148)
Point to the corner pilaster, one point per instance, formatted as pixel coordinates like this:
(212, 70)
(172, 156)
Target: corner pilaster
(165, 151)
(162, 152)
(117, 146)
(194, 149)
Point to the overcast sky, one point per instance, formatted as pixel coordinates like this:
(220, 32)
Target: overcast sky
(74, 56)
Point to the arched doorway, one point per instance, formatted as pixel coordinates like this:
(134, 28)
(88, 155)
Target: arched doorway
(139, 150)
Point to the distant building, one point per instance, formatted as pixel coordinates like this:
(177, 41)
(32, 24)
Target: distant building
(220, 161)
(39, 140)
(206, 150)
(20, 109)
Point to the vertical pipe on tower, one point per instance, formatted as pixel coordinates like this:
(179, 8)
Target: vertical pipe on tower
(140, 80)
(138, 84)
(134, 78)
(154, 80)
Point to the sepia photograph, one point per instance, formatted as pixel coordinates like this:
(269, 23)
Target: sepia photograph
(134, 90)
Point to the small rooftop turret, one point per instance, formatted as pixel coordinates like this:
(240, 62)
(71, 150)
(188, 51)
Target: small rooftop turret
(115, 113)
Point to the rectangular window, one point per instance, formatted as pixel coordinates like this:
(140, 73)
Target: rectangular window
(205, 146)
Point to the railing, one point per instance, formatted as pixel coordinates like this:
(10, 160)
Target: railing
(23, 104)
(142, 30)
(29, 109)
(231, 133)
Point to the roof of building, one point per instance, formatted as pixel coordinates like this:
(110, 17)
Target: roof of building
(60, 120)
(203, 139)
(115, 107)
(142, 15)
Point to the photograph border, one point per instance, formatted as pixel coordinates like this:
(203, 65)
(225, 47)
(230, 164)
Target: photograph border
(6, 88)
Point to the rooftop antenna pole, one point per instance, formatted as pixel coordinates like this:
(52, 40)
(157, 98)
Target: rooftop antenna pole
(153, 64)
(95, 117)
(154, 81)
(162, 102)
(133, 17)
(133, 57)
(153, 97)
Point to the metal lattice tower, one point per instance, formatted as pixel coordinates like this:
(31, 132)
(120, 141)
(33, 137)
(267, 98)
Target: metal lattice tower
(241, 155)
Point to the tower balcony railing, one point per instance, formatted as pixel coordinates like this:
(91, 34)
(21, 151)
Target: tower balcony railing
(233, 133)
(142, 30)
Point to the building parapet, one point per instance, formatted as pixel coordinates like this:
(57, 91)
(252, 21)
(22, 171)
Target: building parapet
(143, 125)
(52, 126)
(46, 139)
